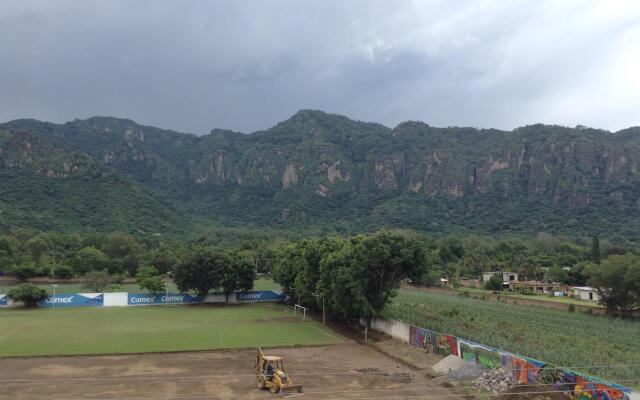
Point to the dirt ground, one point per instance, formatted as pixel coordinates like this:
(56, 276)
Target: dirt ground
(342, 371)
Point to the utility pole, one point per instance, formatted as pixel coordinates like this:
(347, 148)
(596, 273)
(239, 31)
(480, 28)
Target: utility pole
(324, 316)
(166, 295)
(55, 285)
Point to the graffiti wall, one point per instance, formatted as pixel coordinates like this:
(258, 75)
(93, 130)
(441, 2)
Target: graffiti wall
(526, 371)
(433, 342)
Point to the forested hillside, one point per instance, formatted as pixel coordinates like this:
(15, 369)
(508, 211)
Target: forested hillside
(319, 172)
(50, 187)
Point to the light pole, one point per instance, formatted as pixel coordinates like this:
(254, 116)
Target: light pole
(55, 285)
(166, 294)
(324, 319)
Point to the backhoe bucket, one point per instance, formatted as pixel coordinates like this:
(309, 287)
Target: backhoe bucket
(291, 390)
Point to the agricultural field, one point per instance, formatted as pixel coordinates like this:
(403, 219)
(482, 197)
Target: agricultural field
(598, 345)
(74, 331)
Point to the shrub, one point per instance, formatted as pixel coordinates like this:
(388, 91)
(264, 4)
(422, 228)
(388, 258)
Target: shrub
(494, 283)
(62, 272)
(572, 308)
(28, 294)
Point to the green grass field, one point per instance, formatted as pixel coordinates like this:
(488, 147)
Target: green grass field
(553, 336)
(259, 284)
(40, 332)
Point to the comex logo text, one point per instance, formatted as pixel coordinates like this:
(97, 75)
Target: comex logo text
(250, 296)
(59, 300)
(143, 299)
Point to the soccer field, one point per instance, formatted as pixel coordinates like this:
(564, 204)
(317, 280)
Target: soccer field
(74, 331)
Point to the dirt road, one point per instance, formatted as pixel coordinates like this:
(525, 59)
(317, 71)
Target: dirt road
(343, 371)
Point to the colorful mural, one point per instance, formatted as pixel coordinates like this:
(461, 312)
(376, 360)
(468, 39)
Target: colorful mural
(480, 354)
(526, 371)
(433, 342)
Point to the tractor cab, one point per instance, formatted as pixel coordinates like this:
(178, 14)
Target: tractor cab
(271, 365)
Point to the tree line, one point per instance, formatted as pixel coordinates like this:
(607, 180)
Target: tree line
(317, 265)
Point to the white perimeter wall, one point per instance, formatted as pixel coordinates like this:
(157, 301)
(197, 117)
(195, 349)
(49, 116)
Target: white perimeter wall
(395, 329)
(219, 298)
(118, 299)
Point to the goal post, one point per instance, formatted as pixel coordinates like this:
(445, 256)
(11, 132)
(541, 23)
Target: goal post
(300, 309)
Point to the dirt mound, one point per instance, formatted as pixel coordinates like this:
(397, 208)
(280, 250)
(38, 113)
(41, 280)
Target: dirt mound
(450, 363)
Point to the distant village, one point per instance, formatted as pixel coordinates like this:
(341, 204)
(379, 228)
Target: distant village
(514, 282)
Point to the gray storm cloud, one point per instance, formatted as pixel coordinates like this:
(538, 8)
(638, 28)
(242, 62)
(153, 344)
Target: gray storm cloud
(245, 65)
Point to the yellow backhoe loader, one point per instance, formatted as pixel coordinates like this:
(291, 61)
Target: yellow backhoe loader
(271, 375)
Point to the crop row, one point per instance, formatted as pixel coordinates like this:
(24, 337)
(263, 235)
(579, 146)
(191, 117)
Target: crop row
(602, 346)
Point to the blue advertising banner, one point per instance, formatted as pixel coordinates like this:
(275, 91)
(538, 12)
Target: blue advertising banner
(73, 300)
(3, 300)
(145, 299)
(259, 295)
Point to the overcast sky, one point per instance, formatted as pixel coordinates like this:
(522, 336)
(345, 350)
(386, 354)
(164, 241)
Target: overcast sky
(246, 65)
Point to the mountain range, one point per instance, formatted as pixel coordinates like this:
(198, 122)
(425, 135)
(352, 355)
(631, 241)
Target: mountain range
(318, 172)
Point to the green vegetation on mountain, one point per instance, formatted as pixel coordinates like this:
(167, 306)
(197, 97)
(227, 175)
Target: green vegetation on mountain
(52, 187)
(318, 173)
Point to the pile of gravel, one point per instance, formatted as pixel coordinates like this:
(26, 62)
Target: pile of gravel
(495, 381)
(458, 369)
(451, 363)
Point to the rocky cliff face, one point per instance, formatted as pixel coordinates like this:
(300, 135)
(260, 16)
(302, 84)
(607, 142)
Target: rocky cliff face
(322, 169)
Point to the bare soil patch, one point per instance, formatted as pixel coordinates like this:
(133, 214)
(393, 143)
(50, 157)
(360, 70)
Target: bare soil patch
(341, 371)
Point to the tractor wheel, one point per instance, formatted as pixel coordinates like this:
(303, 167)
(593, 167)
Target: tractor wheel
(274, 389)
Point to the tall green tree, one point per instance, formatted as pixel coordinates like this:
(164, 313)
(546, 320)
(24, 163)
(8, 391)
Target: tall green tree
(557, 274)
(595, 250)
(614, 280)
(297, 267)
(450, 249)
(200, 271)
(88, 259)
(368, 271)
(150, 279)
(119, 245)
(237, 274)
(97, 281)
(37, 246)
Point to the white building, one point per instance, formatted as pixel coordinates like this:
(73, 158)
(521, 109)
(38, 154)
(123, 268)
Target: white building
(506, 276)
(585, 293)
